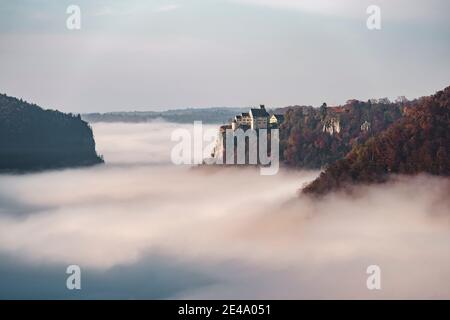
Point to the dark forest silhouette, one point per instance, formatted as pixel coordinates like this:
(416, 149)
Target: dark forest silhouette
(32, 138)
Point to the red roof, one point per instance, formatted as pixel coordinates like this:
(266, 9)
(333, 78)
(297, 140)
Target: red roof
(338, 109)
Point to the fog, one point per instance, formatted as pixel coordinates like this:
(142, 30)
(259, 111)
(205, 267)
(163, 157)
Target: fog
(140, 227)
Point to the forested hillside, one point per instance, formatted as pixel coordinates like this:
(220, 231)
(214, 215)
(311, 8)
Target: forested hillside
(418, 142)
(32, 138)
(315, 137)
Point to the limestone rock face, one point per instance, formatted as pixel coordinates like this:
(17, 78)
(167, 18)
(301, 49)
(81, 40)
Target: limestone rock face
(332, 126)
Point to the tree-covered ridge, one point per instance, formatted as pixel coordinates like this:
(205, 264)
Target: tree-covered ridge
(32, 138)
(189, 115)
(418, 142)
(315, 137)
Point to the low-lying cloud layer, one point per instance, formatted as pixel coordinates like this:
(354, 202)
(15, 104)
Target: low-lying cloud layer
(222, 233)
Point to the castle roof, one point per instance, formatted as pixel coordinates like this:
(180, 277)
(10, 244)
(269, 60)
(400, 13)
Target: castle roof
(259, 113)
(337, 109)
(279, 117)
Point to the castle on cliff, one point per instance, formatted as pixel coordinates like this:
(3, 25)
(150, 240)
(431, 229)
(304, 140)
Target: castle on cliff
(249, 122)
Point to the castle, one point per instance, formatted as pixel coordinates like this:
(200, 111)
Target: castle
(256, 119)
(252, 121)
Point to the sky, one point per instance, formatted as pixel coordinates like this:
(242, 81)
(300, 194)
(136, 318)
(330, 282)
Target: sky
(165, 54)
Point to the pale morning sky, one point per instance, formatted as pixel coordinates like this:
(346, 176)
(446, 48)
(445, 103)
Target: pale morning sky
(159, 54)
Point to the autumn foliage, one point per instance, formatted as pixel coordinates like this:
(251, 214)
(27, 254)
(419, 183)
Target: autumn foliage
(417, 143)
(305, 144)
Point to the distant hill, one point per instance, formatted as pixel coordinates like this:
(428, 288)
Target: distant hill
(418, 142)
(206, 115)
(32, 138)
